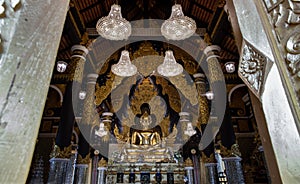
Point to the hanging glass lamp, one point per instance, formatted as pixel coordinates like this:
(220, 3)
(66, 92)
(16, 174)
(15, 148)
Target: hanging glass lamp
(114, 26)
(169, 67)
(124, 67)
(178, 26)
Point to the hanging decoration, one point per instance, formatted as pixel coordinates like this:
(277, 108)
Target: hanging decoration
(124, 67)
(169, 67)
(178, 26)
(114, 26)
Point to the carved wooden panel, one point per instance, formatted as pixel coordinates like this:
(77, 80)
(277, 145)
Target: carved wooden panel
(252, 68)
(284, 18)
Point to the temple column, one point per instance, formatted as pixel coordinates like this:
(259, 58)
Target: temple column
(218, 96)
(64, 154)
(211, 170)
(200, 82)
(203, 102)
(82, 167)
(102, 167)
(216, 82)
(30, 35)
(234, 171)
(189, 170)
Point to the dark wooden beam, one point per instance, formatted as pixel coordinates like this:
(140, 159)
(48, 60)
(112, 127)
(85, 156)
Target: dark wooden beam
(203, 7)
(90, 7)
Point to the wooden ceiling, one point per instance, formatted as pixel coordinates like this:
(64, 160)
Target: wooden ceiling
(208, 14)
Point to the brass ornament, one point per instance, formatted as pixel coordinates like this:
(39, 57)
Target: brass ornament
(58, 153)
(85, 160)
(203, 105)
(210, 159)
(207, 39)
(102, 163)
(147, 65)
(188, 162)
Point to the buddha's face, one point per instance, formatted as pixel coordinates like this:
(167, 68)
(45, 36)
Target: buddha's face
(145, 120)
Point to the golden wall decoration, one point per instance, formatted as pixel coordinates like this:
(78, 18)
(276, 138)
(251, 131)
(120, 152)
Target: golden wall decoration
(144, 92)
(188, 162)
(210, 159)
(102, 163)
(120, 92)
(145, 49)
(188, 90)
(165, 124)
(103, 91)
(61, 153)
(171, 91)
(85, 160)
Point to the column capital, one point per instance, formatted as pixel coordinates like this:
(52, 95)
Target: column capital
(199, 78)
(79, 51)
(80, 47)
(199, 75)
(92, 78)
(211, 48)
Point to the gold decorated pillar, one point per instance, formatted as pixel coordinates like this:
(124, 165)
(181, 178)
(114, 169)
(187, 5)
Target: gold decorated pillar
(102, 167)
(218, 105)
(69, 106)
(88, 116)
(189, 167)
(203, 103)
(64, 154)
(89, 105)
(78, 57)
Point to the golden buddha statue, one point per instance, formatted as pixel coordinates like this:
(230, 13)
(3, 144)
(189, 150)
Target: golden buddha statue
(145, 142)
(143, 134)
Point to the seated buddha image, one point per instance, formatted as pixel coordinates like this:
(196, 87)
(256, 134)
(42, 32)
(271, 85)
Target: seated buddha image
(144, 133)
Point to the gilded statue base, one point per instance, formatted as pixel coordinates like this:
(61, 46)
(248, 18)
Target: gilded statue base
(142, 153)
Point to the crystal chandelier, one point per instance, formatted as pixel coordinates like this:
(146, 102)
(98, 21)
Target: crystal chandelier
(169, 67)
(114, 26)
(124, 67)
(178, 26)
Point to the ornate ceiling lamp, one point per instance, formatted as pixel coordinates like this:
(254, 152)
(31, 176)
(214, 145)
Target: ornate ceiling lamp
(178, 26)
(169, 67)
(114, 26)
(124, 67)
